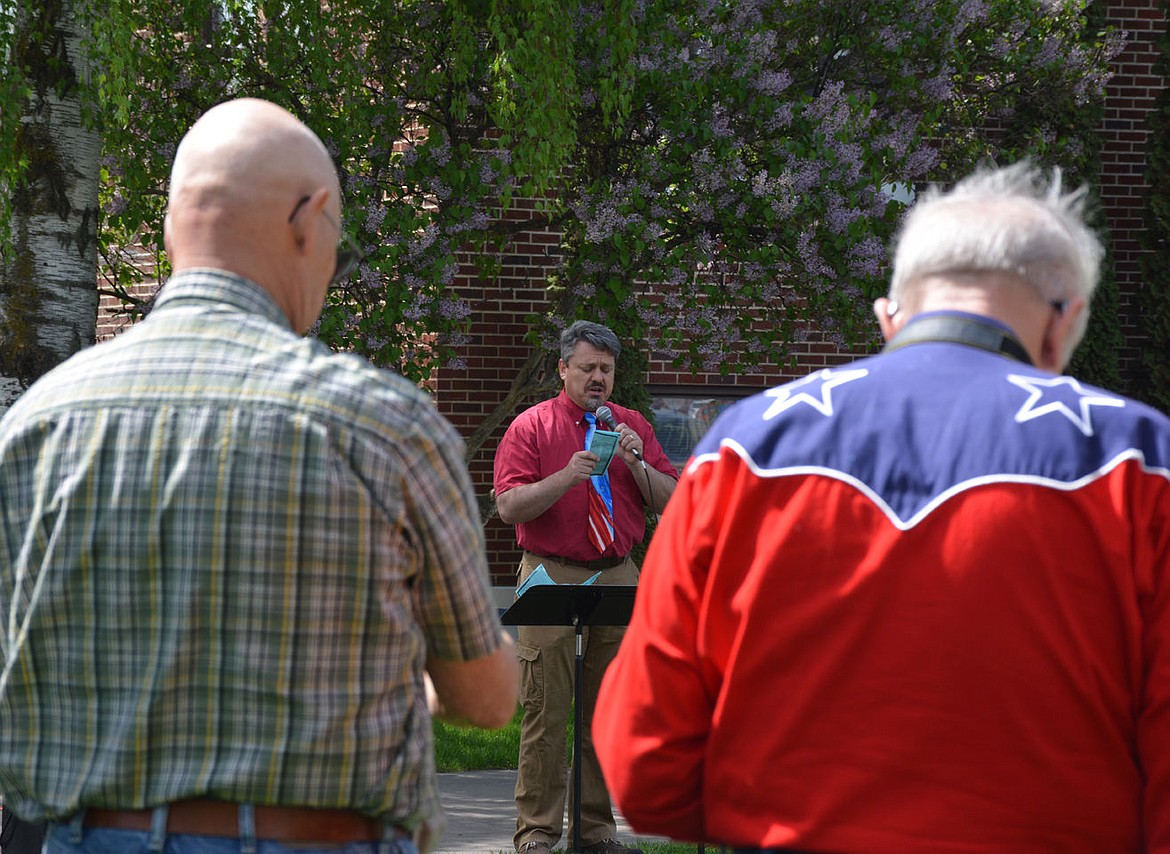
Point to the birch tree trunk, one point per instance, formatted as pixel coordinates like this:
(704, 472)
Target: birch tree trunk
(48, 272)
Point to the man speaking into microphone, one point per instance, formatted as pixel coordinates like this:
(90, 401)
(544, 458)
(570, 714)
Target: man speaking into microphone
(575, 523)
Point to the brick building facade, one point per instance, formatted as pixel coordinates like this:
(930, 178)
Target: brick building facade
(497, 350)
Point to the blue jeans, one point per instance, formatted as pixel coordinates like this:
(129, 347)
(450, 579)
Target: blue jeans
(74, 838)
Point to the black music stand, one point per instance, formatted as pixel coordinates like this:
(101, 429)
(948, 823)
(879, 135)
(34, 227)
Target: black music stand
(576, 605)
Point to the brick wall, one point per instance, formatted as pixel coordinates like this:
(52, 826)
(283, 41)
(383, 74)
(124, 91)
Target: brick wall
(1131, 95)
(494, 356)
(112, 317)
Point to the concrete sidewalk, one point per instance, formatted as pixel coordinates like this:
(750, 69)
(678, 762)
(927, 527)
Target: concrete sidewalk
(481, 814)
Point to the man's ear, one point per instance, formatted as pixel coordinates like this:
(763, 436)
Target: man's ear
(304, 221)
(1058, 342)
(886, 312)
(167, 235)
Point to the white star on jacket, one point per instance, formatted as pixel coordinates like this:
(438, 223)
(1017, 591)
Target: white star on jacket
(1049, 396)
(819, 398)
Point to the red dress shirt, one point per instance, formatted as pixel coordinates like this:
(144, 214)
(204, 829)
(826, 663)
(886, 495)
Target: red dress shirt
(539, 443)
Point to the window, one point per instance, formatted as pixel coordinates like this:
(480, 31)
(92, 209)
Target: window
(683, 415)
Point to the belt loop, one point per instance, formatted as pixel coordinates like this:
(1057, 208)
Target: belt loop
(247, 814)
(77, 827)
(158, 828)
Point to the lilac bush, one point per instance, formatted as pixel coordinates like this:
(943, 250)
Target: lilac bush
(721, 174)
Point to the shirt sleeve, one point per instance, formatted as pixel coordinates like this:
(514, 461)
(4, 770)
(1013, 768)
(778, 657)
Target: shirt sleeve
(453, 594)
(517, 461)
(654, 710)
(1154, 718)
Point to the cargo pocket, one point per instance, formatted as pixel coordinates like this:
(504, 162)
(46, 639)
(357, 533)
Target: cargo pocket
(531, 677)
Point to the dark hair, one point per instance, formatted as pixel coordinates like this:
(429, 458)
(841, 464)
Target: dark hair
(599, 336)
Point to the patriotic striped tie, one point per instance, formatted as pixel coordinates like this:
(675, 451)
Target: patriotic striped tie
(600, 501)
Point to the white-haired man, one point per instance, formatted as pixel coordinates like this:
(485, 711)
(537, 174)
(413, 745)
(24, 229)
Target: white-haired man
(918, 603)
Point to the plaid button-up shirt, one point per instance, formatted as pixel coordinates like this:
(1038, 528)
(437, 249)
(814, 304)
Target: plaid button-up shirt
(225, 555)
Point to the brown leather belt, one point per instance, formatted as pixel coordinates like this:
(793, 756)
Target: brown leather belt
(591, 565)
(203, 817)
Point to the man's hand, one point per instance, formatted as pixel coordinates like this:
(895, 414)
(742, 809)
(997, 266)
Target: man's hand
(580, 466)
(630, 444)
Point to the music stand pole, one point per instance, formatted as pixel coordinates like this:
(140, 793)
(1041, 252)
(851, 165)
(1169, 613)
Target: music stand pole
(578, 675)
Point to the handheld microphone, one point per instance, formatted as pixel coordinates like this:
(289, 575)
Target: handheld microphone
(605, 416)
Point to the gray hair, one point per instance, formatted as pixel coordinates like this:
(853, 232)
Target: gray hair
(599, 336)
(1008, 220)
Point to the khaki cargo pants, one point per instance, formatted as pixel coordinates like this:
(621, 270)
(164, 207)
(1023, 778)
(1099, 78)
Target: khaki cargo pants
(547, 656)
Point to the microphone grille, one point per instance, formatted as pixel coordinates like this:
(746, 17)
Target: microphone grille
(605, 414)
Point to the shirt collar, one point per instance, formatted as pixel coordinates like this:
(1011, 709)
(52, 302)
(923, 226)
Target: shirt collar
(968, 315)
(208, 285)
(961, 327)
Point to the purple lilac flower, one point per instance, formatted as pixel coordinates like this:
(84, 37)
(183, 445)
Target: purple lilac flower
(773, 83)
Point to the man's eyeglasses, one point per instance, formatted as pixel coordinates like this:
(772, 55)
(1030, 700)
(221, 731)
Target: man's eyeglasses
(349, 254)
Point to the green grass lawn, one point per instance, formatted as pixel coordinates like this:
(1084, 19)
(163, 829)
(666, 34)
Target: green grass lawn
(472, 749)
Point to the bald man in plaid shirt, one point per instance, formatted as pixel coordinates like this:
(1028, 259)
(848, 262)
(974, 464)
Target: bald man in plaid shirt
(238, 573)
